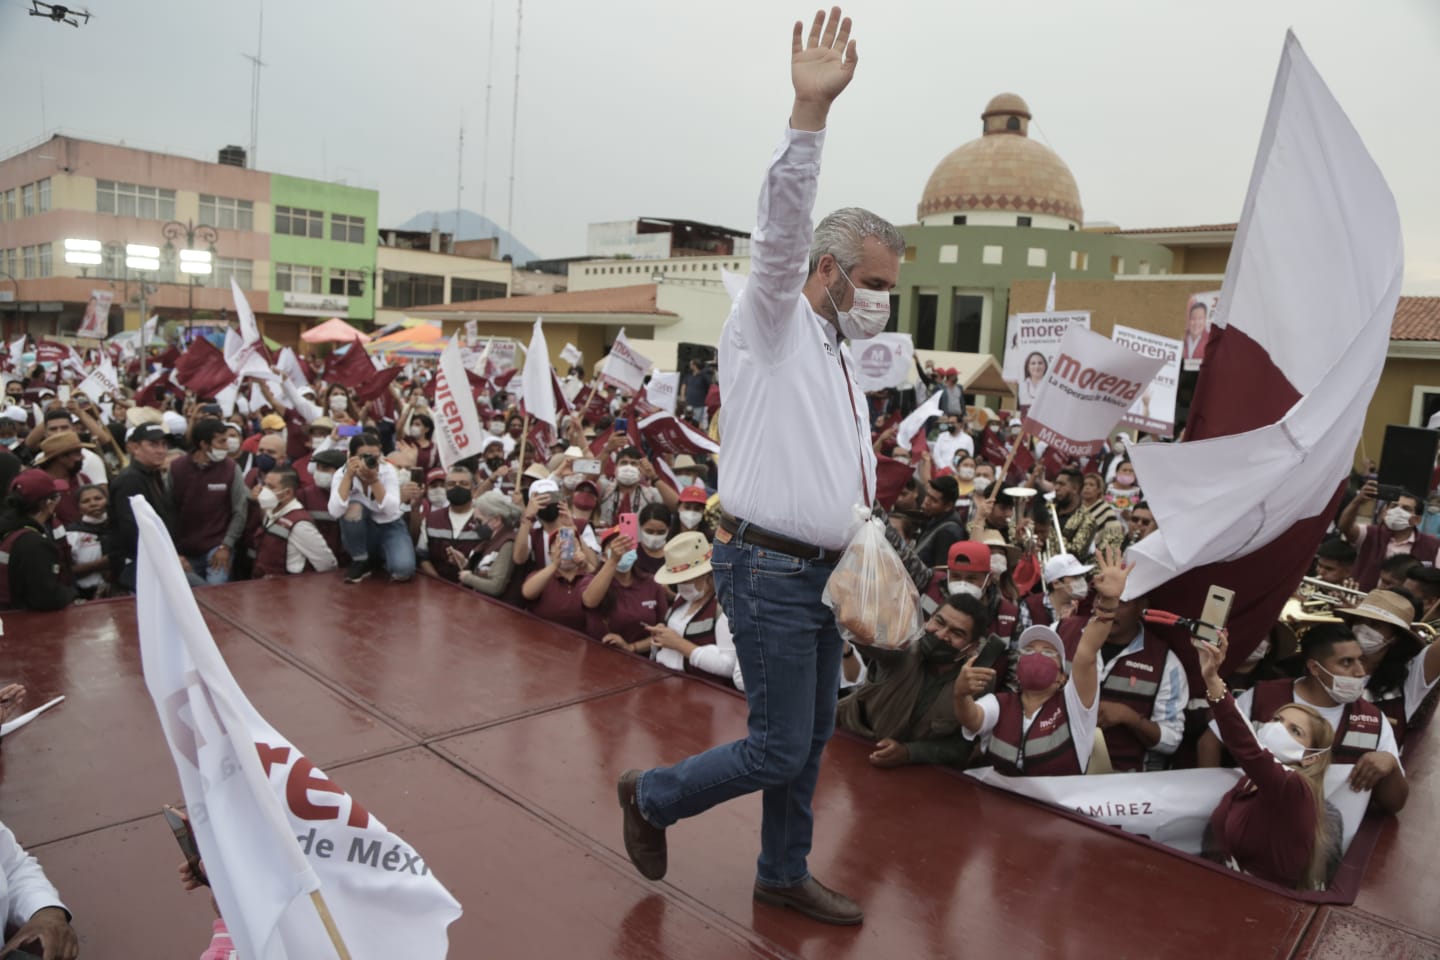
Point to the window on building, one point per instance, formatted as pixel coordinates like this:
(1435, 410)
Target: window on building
(27, 200)
(227, 213)
(949, 253)
(926, 305)
(42, 195)
(112, 260)
(296, 222)
(294, 278)
(1012, 123)
(31, 266)
(993, 255)
(1035, 257)
(1079, 261)
(347, 229)
(1117, 265)
(403, 290)
(223, 268)
(958, 220)
(463, 290)
(11, 261)
(347, 283)
(134, 200)
(10, 208)
(44, 259)
(1022, 221)
(1145, 268)
(966, 312)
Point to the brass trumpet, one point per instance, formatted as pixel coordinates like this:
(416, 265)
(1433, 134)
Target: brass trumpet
(1317, 593)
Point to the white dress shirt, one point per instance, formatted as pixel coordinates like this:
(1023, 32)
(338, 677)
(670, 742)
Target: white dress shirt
(948, 445)
(304, 543)
(384, 511)
(796, 437)
(23, 887)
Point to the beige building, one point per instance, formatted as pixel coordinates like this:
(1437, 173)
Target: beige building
(415, 269)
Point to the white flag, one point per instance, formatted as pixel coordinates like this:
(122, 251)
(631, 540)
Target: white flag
(1086, 391)
(663, 390)
(17, 354)
(885, 360)
(914, 423)
(251, 795)
(1050, 296)
(249, 329)
(572, 355)
(102, 381)
(289, 365)
(624, 368)
(537, 389)
(227, 398)
(457, 424)
(149, 330)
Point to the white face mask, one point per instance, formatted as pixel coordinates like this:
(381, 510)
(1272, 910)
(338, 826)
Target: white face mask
(982, 484)
(1079, 589)
(965, 588)
(1344, 689)
(868, 314)
(652, 541)
(690, 519)
(216, 454)
(323, 478)
(966, 473)
(497, 427)
(1370, 638)
(232, 444)
(338, 403)
(690, 592)
(437, 497)
(1282, 743)
(267, 499)
(1398, 518)
(998, 564)
(628, 475)
(413, 431)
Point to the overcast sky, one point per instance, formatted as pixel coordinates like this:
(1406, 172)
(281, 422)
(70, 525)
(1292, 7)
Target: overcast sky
(671, 109)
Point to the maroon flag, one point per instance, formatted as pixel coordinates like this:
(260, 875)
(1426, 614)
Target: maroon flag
(992, 448)
(202, 369)
(1053, 459)
(377, 383)
(597, 446)
(1020, 468)
(891, 476)
(350, 369)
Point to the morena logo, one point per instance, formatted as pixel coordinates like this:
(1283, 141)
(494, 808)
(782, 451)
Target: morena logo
(1088, 378)
(875, 360)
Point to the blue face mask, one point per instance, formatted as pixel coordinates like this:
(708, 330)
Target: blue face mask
(264, 462)
(627, 560)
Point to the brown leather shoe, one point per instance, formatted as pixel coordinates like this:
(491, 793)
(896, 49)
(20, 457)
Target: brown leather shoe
(814, 900)
(644, 842)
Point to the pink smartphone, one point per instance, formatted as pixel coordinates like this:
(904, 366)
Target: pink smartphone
(630, 526)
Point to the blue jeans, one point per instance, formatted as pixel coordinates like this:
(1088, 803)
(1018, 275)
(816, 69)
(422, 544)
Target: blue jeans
(205, 571)
(392, 540)
(789, 652)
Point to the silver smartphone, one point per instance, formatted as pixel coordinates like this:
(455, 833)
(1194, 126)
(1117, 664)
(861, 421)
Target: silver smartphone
(1214, 614)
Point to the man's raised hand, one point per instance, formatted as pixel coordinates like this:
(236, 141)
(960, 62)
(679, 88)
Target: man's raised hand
(821, 67)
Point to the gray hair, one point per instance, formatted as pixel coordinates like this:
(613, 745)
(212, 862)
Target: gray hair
(493, 503)
(842, 235)
(461, 468)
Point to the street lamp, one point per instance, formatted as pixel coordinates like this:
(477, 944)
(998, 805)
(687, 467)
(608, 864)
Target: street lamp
(139, 257)
(193, 262)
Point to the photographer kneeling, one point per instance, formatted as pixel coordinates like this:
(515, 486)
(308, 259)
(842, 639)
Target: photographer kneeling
(365, 498)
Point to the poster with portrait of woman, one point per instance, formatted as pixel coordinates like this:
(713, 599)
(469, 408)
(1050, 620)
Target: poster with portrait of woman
(1199, 314)
(1031, 342)
(1154, 410)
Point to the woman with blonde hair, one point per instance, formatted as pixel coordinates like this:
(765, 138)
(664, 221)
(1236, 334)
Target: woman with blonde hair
(1273, 823)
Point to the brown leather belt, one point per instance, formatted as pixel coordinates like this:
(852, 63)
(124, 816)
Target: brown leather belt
(760, 537)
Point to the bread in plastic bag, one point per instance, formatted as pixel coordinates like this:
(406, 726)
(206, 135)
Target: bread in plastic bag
(874, 598)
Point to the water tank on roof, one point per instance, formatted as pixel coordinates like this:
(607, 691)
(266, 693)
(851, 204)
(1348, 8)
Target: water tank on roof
(232, 156)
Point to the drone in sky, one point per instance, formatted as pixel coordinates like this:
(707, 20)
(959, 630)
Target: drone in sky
(58, 13)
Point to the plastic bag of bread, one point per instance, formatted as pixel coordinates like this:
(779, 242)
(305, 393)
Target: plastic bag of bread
(874, 598)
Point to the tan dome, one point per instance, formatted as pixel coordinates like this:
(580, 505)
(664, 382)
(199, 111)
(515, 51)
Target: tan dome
(1003, 170)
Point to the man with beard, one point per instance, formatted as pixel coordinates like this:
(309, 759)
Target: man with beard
(907, 702)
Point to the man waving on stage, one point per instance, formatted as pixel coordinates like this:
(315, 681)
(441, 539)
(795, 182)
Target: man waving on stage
(797, 461)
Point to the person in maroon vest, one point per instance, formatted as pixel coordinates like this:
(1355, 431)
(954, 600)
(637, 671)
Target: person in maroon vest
(695, 636)
(450, 534)
(621, 604)
(211, 502)
(1393, 532)
(316, 499)
(1334, 686)
(33, 573)
(1402, 670)
(1273, 823)
(555, 591)
(1143, 694)
(289, 541)
(970, 569)
(1066, 588)
(1048, 728)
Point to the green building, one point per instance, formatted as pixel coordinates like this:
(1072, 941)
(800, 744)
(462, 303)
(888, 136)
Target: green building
(322, 249)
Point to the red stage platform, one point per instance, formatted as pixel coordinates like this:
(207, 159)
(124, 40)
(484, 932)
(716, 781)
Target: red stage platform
(492, 742)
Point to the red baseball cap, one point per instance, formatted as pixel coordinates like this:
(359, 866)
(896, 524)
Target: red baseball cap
(969, 556)
(433, 474)
(33, 486)
(694, 495)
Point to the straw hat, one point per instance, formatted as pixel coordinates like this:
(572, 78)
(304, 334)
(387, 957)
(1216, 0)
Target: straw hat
(994, 538)
(1382, 606)
(57, 445)
(687, 556)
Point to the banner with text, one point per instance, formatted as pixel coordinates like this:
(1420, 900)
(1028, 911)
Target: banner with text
(884, 361)
(1154, 410)
(457, 425)
(663, 390)
(1199, 313)
(1031, 342)
(624, 367)
(1086, 391)
(102, 382)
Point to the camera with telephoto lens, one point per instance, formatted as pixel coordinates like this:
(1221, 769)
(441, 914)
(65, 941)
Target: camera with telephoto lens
(370, 460)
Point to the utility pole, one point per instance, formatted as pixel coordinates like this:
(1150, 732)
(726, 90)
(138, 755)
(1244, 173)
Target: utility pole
(515, 119)
(485, 139)
(255, 64)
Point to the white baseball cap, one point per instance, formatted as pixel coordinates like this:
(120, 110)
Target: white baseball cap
(1064, 565)
(1044, 634)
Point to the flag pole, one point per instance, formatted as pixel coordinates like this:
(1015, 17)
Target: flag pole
(524, 436)
(1005, 470)
(324, 910)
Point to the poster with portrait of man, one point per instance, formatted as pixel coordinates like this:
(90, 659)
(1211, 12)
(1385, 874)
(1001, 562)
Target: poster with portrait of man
(1199, 314)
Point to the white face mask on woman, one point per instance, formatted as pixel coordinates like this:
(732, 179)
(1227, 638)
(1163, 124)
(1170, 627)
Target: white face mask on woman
(690, 592)
(1370, 638)
(690, 519)
(653, 541)
(1282, 743)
